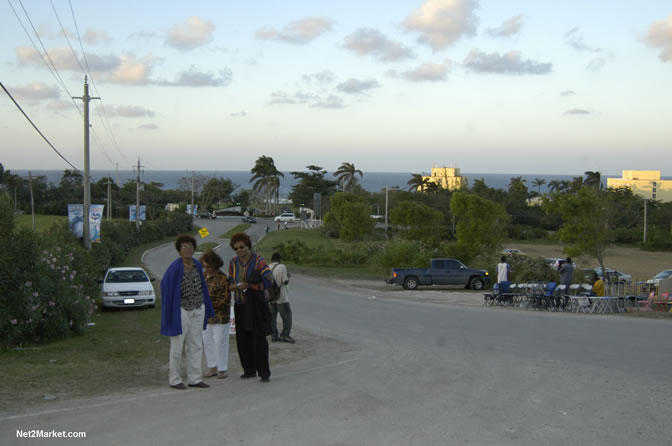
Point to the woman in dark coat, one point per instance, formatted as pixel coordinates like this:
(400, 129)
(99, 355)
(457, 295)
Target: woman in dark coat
(249, 276)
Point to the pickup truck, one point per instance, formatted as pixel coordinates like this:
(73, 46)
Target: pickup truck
(440, 272)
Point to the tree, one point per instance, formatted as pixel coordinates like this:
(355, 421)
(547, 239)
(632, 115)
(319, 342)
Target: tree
(585, 217)
(418, 221)
(538, 182)
(481, 223)
(309, 183)
(346, 175)
(216, 190)
(593, 179)
(517, 186)
(416, 182)
(266, 180)
(349, 216)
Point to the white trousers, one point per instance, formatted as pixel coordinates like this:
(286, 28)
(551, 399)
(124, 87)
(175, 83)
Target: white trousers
(216, 343)
(192, 338)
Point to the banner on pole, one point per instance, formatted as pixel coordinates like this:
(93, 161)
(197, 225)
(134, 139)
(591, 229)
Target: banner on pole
(131, 212)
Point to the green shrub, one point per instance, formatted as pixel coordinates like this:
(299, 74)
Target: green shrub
(403, 254)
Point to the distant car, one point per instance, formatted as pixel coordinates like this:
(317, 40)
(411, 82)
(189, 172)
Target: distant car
(666, 274)
(127, 287)
(512, 251)
(612, 275)
(285, 216)
(249, 219)
(204, 214)
(555, 262)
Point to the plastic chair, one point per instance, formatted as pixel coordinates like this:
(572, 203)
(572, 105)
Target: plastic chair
(646, 305)
(661, 305)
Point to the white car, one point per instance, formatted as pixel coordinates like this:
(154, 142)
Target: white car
(665, 274)
(285, 216)
(127, 287)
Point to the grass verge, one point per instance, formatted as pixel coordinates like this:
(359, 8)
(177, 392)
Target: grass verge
(121, 352)
(238, 228)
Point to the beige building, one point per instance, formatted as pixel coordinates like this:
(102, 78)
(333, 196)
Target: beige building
(645, 183)
(447, 178)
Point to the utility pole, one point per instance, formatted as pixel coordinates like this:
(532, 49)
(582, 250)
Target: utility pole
(137, 197)
(85, 181)
(32, 199)
(109, 197)
(193, 214)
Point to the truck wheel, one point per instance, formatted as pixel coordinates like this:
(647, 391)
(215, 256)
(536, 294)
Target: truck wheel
(410, 283)
(476, 283)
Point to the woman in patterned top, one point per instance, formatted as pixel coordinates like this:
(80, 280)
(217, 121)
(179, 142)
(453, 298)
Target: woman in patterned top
(250, 275)
(216, 335)
(185, 309)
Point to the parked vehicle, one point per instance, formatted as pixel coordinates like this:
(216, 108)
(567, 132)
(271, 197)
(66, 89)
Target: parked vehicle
(556, 262)
(285, 216)
(612, 275)
(249, 219)
(440, 272)
(653, 283)
(127, 287)
(512, 251)
(206, 214)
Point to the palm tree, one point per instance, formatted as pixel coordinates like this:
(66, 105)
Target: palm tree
(516, 183)
(346, 175)
(538, 182)
(266, 179)
(593, 179)
(417, 181)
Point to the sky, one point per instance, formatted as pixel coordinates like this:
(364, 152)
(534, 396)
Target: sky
(490, 86)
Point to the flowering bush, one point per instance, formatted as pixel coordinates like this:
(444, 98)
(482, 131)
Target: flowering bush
(47, 286)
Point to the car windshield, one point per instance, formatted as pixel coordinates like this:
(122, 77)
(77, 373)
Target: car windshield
(663, 274)
(126, 277)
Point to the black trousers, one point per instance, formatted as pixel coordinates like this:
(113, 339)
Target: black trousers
(252, 347)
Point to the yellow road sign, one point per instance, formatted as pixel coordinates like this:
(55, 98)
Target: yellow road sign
(204, 232)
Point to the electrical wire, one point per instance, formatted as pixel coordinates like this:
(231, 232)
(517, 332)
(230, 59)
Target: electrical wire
(38, 130)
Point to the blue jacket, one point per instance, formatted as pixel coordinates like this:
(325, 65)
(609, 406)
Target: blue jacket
(171, 298)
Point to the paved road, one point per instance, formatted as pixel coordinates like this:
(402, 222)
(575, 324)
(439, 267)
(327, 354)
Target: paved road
(412, 373)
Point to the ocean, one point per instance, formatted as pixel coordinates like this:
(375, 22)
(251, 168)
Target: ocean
(370, 181)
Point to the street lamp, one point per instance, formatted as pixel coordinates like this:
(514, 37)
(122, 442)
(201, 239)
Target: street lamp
(387, 190)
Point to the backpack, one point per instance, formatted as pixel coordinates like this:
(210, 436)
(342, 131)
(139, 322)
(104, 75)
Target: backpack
(274, 291)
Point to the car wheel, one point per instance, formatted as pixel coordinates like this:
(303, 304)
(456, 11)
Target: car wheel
(476, 283)
(410, 283)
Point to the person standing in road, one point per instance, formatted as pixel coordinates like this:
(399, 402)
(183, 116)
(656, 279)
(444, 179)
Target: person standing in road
(249, 276)
(185, 309)
(281, 278)
(566, 272)
(503, 270)
(216, 334)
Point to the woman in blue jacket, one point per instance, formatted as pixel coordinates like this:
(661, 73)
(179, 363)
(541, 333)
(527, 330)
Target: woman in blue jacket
(185, 309)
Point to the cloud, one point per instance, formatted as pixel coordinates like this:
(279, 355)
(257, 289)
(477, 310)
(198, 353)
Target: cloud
(574, 38)
(324, 77)
(596, 64)
(299, 32)
(241, 114)
(659, 36)
(93, 37)
(427, 72)
(58, 105)
(356, 86)
(508, 28)
(111, 68)
(282, 98)
(195, 78)
(443, 22)
(191, 34)
(508, 63)
(578, 111)
(367, 41)
(45, 32)
(149, 127)
(567, 93)
(128, 111)
(34, 92)
(142, 35)
(331, 102)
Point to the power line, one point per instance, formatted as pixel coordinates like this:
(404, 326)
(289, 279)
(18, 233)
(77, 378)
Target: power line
(35, 127)
(93, 82)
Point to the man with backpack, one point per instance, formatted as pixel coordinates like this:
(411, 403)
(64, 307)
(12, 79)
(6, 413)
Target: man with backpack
(279, 301)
